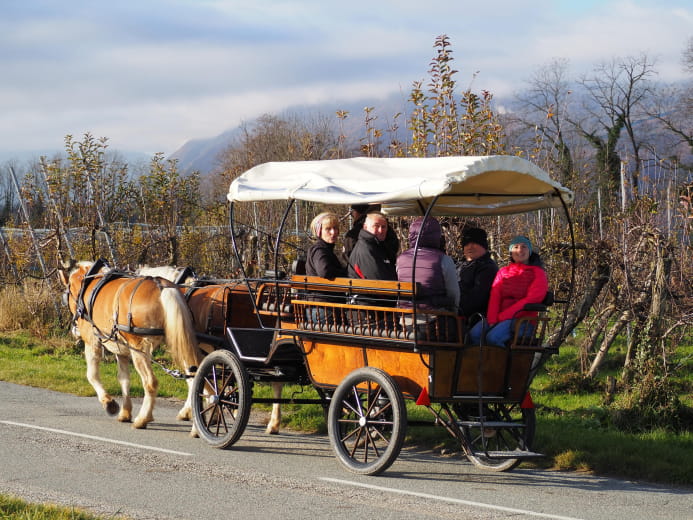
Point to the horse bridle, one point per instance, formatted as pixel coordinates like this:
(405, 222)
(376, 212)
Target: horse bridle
(80, 309)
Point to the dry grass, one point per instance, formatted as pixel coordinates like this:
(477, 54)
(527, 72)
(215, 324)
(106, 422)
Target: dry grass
(33, 306)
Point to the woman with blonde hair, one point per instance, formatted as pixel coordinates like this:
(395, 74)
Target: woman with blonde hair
(322, 261)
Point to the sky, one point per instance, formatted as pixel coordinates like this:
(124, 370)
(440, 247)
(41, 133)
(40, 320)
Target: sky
(152, 74)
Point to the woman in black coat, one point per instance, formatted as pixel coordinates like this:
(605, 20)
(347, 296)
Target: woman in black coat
(322, 261)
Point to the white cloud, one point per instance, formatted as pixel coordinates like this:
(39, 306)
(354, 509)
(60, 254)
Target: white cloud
(151, 75)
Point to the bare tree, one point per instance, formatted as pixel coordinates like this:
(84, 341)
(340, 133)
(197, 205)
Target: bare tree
(616, 96)
(543, 108)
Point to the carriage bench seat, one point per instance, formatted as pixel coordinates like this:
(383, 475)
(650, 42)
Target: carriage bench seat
(373, 308)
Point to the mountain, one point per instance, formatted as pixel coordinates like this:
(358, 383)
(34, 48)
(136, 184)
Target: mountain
(202, 154)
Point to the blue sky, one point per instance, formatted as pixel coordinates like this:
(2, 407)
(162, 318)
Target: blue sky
(153, 74)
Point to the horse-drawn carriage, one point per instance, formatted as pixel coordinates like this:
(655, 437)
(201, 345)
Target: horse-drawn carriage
(365, 364)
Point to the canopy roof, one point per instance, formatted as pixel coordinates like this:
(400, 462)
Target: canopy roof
(467, 186)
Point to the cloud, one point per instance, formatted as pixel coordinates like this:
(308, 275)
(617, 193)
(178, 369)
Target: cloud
(151, 75)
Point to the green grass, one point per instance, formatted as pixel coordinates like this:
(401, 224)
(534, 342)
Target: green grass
(12, 508)
(574, 428)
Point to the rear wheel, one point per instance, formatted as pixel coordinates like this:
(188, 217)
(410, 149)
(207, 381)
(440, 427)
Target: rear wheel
(367, 421)
(221, 399)
(507, 428)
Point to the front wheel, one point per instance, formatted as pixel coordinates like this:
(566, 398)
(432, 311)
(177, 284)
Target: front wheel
(221, 399)
(367, 421)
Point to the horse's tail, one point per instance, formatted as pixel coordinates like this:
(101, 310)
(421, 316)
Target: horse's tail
(179, 330)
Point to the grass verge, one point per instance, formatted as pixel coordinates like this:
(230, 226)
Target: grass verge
(13, 508)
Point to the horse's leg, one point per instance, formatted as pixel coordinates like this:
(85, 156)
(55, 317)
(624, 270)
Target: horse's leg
(92, 354)
(150, 384)
(125, 414)
(276, 417)
(185, 413)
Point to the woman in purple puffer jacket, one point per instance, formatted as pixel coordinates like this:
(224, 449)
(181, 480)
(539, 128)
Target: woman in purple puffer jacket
(521, 282)
(436, 274)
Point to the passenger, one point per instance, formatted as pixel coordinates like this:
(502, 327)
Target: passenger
(475, 273)
(322, 261)
(435, 273)
(521, 282)
(358, 214)
(370, 259)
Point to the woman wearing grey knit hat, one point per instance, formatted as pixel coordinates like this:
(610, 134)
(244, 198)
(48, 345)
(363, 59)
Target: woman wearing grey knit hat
(521, 282)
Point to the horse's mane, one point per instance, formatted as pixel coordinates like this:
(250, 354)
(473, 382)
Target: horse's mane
(86, 265)
(168, 272)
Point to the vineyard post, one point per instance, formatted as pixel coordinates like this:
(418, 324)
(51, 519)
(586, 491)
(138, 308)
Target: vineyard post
(102, 222)
(37, 248)
(8, 254)
(62, 232)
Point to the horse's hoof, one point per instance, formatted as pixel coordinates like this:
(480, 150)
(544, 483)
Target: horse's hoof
(272, 432)
(140, 424)
(112, 408)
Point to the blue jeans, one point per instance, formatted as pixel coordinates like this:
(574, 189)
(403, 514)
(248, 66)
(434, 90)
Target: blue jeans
(499, 334)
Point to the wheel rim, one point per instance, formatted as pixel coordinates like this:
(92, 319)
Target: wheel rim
(367, 422)
(221, 406)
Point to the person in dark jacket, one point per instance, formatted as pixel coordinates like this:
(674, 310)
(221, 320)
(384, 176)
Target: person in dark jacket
(435, 273)
(521, 282)
(358, 213)
(475, 273)
(370, 258)
(322, 261)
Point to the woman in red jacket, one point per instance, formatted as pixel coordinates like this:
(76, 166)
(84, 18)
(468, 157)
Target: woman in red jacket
(521, 282)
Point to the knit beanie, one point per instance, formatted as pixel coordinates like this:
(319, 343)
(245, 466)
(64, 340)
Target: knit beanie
(519, 239)
(476, 235)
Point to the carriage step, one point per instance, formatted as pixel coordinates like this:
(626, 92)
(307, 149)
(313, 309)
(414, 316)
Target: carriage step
(514, 454)
(490, 424)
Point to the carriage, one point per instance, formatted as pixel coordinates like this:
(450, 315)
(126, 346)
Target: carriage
(382, 351)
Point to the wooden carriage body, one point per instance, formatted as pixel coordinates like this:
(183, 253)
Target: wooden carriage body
(431, 361)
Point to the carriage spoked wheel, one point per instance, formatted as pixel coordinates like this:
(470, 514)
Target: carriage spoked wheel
(508, 429)
(367, 421)
(221, 399)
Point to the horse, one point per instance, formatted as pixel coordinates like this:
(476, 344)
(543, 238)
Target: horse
(208, 305)
(130, 316)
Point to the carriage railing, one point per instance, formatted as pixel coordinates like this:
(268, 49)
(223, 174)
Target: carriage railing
(353, 307)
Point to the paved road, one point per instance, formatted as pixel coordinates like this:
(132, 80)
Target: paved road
(61, 448)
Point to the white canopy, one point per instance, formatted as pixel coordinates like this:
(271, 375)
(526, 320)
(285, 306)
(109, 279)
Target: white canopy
(467, 186)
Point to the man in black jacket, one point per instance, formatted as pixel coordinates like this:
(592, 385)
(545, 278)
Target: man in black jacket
(476, 274)
(370, 258)
(358, 213)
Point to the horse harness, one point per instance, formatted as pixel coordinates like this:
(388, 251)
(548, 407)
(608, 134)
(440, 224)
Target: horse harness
(83, 309)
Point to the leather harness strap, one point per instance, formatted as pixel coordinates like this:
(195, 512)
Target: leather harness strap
(84, 310)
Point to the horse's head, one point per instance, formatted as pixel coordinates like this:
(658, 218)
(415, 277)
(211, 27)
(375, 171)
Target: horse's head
(74, 280)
